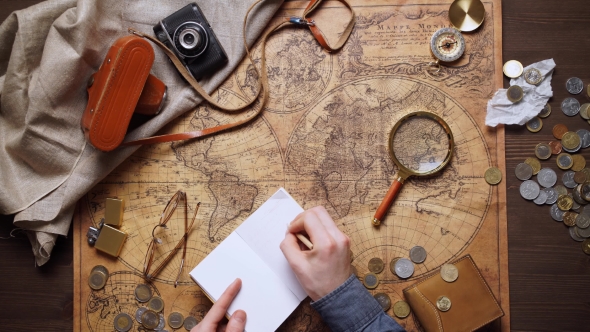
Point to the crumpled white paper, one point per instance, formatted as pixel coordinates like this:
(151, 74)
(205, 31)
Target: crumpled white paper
(502, 110)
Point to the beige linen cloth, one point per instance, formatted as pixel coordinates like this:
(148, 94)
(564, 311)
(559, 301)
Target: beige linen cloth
(47, 54)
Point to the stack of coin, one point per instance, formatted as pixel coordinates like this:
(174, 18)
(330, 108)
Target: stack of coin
(98, 277)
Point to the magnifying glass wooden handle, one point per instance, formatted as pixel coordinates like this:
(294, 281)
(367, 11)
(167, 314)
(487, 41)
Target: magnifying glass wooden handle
(387, 200)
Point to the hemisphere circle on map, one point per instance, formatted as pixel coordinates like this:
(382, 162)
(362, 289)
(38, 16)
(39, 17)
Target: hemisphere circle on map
(231, 174)
(298, 71)
(340, 148)
(117, 296)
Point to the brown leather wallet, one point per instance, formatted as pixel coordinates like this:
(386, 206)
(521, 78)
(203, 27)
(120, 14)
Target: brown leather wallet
(472, 303)
(122, 85)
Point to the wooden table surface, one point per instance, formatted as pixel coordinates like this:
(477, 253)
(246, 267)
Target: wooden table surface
(549, 273)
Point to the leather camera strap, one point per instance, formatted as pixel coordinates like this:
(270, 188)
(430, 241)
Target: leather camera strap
(262, 84)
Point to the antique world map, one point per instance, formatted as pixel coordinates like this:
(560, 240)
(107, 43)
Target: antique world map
(323, 136)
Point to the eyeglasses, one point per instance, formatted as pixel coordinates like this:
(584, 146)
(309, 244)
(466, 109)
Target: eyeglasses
(167, 214)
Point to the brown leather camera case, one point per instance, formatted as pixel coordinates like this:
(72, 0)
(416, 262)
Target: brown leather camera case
(114, 91)
(473, 304)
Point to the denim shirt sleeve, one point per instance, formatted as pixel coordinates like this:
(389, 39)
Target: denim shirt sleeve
(351, 308)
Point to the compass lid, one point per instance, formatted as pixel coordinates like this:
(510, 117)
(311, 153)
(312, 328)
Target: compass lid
(467, 15)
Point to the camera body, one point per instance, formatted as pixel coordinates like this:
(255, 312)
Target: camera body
(188, 34)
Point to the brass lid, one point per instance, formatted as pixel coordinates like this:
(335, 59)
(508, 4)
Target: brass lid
(467, 15)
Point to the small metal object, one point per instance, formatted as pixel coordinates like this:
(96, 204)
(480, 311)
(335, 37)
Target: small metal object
(582, 221)
(383, 300)
(545, 112)
(401, 309)
(564, 161)
(547, 177)
(533, 76)
(418, 254)
(123, 322)
(552, 195)
(110, 240)
(156, 304)
(585, 136)
(529, 190)
(515, 93)
(570, 106)
(449, 272)
(113, 212)
(175, 320)
(568, 179)
(447, 44)
(541, 199)
(534, 125)
(523, 171)
(370, 280)
(138, 313)
(467, 15)
(556, 213)
(143, 293)
(443, 303)
(98, 277)
(376, 265)
(512, 68)
(189, 323)
(161, 323)
(92, 235)
(301, 21)
(150, 319)
(574, 235)
(574, 85)
(404, 268)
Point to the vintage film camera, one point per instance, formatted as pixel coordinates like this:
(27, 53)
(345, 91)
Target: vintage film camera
(188, 34)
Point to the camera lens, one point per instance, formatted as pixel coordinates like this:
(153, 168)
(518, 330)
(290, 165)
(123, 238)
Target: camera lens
(190, 39)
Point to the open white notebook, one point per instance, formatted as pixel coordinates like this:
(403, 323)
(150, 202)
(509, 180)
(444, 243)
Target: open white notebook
(270, 291)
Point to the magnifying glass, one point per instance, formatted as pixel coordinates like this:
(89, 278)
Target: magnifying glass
(420, 144)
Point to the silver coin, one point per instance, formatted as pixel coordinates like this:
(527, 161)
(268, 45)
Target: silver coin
(586, 210)
(585, 136)
(547, 177)
(556, 213)
(534, 124)
(583, 232)
(575, 206)
(574, 85)
(574, 235)
(552, 195)
(418, 254)
(576, 196)
(523, 171)
(529, 190)
(568, 179)
(570, 106)
(582, 220)
(404, 268)
(574, 150)
(189, 323)
(138, 313)
(541, 199)
(546, 111)
(162, 323)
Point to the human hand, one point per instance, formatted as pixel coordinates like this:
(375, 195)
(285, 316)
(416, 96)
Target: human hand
(326, 266)
(212, 320)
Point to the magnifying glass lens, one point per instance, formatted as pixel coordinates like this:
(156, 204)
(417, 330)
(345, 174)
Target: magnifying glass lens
(420, 144)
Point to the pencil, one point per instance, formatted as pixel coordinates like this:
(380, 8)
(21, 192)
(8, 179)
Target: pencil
(305, 241)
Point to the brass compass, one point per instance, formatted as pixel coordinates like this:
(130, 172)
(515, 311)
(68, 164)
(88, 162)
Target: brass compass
(447, 45)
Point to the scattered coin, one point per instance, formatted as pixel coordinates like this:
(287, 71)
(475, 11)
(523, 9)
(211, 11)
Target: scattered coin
(555, 147)
(513, 69)
(561, 190)
(585, 136)
(383, 300)
(443, 303)
(156, 304)
(579, 163)
(138, 313)
(449, 272)
(404, 268)
(583, 232)
(143, 293)
(559, 130)
(568, 179)
(585, 191)
(584, 111)
(392, 265)
(582, 220)
(529, 190)
(570, 106)
(543, 151)
(98, 277)
(586, 246)
(533, 76)
(574, 235)
(161, 322)
(569, 218)
(534, 163)
(574, 85)
(523, 171)
(570, 140)
(552, 195)
(175, 320)
(577, 195)
(493, 175)
(515, 93)
(547, 177)
(189, 323)
(546, 111)
(556, 213)
(150, 319)
(580, 177)
(418, 254)
(564, 161)
(123, 322)
(575, 205)
(371, 280)
(401, 309)
(541, 199)
(534, 125)
(376, 265)
(564, 203)
(576, 149)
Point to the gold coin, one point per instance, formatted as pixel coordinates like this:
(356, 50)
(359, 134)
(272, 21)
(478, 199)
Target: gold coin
(569, 218)
(143, 293)
(383, 300)
(564, 161)
(534, 163)
(533, 76)
(449, 272)
(579, 162)
(580, 177)
(561, 190)
(545, 112)
(401, 309)
(376, 265)
(534, 125)
(370, 280)
(513, 69)
(175, 320)
(514, 93)
(443, 303)
(493, 175)
(97, 279)
(392, 265)
(584, 111)
(586, 171)
(564, 202)
(570, 140)
(543, 151)
(123, 322)
(559, 130)
(156, 304)
(586, 246)
(150, 319)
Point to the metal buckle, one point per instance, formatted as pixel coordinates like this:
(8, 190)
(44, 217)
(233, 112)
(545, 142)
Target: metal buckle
(301, 21)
